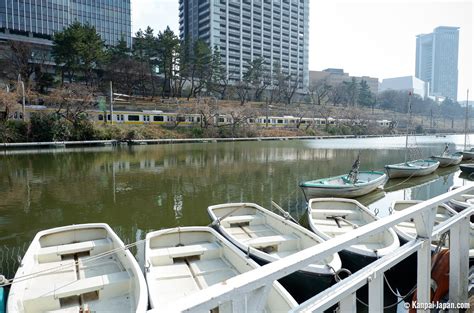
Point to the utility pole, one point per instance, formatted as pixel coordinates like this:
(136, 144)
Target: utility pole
(23, 96)
(111, 104)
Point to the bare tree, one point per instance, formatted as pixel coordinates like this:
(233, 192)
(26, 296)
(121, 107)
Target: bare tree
(8, 104)
(319, 91)
(73, 101)
(289, 88)
(337, 94)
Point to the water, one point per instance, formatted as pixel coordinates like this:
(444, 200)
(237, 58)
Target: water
(143, 188)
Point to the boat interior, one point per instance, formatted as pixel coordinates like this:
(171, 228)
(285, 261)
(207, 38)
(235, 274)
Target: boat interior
(180, 263)
(408, 227)
(334, 218)
(76, 276)
(265, 232)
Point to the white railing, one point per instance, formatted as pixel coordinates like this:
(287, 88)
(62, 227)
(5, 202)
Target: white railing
(245, 292)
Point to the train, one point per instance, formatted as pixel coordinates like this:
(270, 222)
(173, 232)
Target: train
(158, 117)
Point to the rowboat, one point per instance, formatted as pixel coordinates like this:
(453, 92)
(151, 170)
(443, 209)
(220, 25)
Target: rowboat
(341, 186)
(407, 231)
(468, 154)
(448, 159)
(461, 202)
(268, 237)
(331, 217)
(467, 168)
(412, 168)
(78, 268)
(182, 261)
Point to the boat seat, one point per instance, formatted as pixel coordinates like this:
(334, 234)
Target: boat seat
(251, 219)
(261, 242)
(164, 256)
(108, 286)
(55, 253)
(329, 212)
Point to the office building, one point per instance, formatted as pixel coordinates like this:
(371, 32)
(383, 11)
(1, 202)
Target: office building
(336, 76)
(276, 30)
(34, 20)
(437, 60)
(406, 83)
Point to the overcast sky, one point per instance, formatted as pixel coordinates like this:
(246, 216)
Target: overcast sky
(364, 37)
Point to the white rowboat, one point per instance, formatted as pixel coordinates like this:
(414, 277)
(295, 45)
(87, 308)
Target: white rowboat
(78, 268)
(411, 168)
(268, 237)
(332, 217)
(182, 261)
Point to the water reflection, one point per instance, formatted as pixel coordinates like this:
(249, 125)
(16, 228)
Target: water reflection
(143, 188)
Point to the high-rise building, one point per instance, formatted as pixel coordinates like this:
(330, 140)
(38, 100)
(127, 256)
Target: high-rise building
(275, 30)
(42, 18)
(437, 60)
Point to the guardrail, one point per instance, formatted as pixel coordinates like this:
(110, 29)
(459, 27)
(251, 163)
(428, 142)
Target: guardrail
(247, 290)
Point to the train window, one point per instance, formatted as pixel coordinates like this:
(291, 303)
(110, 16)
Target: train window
(158, 118)
(198, 119)
(181, 119)
(146, 118)
(221, 120)
(280, 122)
(251, 120)
(101, 117)
(108, 117)
(133, 117)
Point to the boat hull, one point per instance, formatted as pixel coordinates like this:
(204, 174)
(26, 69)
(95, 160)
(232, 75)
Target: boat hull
(467, 168)
(448, 160)
(467, 155)
(343, 191)
(402, 170)
(302, 285)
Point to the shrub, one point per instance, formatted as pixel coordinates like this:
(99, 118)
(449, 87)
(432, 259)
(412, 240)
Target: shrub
(13, 131)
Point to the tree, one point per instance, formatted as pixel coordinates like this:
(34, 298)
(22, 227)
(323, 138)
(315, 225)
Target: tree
(219, 79)
(352, 91)
(167, 52)
(289, 88)
(72, 102)
(125, 72)
(78, 48)
(8, 104)
(337, 94)
(319, 91)
(146, 51)
(258, 76)
(200, 60)
(365, 96)
(18, 61)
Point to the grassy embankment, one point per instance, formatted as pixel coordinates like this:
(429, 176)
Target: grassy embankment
(47, 128)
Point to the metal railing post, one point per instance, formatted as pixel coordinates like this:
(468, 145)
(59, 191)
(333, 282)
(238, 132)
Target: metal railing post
(423, 292)
(376, 292)
(349, 303)
(459, 261)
